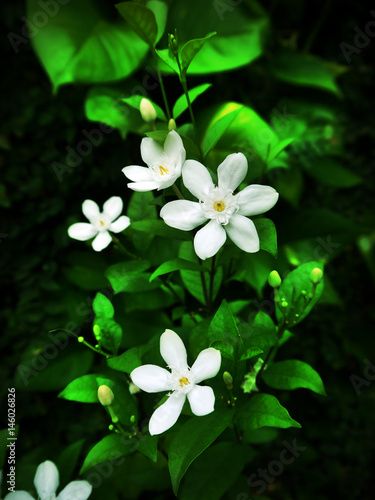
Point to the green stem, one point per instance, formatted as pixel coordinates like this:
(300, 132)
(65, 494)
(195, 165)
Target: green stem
(178, 192)
(162, 86)
(204, 286)
(123, 249)
(212, 277)
(317, 26)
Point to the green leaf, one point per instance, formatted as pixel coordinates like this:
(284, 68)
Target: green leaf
(129, 277)
(135, 102)
(141, 207)
(149, 447)
(170, 61)
(263, 410)
(102, 306)
(66, 45)
(217, 130)
(293, 374)
(192, 439)
(226, 349)
(190, 50)
(83, 389)
(160, 11)
(141, 19)
(329, 171)
(176, 265)
(158, 135)
(278, 148)
(110, 448)
(160, 228)
(223, 326)
(181, 104)
(259, 332)
(214, 471)
(110, 333)
(267, 235)
(306, 70)
(126, 362)
(254, 268)
(290, 290)
(250, 353)
(68, 459)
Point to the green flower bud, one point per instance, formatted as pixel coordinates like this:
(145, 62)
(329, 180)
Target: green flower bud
(147, 111)
(97, 332)
(132, 419)
(80, 339)
(316, 276)
(105, 395)
(284, 303)
(133, 389)
(274, 279)
(228, 380)
(172, 124)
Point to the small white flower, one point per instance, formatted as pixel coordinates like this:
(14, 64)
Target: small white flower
(164, 165)
(182, 380)
(46, 482)
(227, 212)
(100, 223)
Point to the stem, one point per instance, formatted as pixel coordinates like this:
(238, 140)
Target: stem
(121, 247)
(162, 86)
(178, 192)
(317, 26)
(204, 286)
(212, 277)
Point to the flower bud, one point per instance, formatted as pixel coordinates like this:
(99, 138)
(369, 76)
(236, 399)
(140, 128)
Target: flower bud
(133, 389)
(97, 332)
(147, 111)
(284, 303)
(172, 125)
(105, 395)
(316, 276)
(274, 279)
(80, 339)
(132, 419)
(228, 380)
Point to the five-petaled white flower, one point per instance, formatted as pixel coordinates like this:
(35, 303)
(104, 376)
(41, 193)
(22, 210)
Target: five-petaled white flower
(164, 165)
(182, 381)
(227, 212)
(46, 482)
(100, 223)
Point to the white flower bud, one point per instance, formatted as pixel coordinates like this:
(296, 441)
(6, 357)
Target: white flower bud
(172, 124)
(105, 395)
(147, 110)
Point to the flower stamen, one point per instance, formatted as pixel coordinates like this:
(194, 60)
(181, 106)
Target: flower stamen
(163, 170)
(184, 381)
(219, 206)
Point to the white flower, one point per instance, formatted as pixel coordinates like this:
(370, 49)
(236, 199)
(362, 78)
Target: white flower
(227, 212)
(100, 223)
(182, 381)
(164, 165)
(46, 482)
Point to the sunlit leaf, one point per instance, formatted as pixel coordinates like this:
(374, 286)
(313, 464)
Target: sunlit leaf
(293, 374)
(181, 104)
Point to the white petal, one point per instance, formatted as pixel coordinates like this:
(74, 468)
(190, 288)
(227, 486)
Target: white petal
(19, 495)
(167, 414)
(151, 151)
(173, 350)
(167, 183)
(174, 148)
(256, 199)
(196, 178)
(209, 240)
(101, 241)
(90, 210)
(46, 479)
(138, 174)
(76, 490)
(243, 233)
(82, 231)
(112, 208)
(183, 214)
(143, 186)
(151, 378)
(207, 365)
(120, 224)
(232, 171)
(202, 400)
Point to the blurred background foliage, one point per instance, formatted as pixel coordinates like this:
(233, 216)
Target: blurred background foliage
(281, 59)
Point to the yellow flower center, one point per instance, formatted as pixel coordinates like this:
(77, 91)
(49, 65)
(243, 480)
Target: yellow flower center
(101, 223)
(183, 381)
(219, 206)
(163, 170)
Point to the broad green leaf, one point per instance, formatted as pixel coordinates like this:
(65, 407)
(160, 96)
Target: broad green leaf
(263, 410)
(254, 268)
(226, 349)
(68, 459)
(278, 148)
(176, 265)
(126, 362)
(214, 471)
(84, 389)
(289, 184)
(160, 11)
(160, 228)
(102, 306)
(223, 326)
(267, 235)
(259, 331)
(110, 333)
(81, 45)
(329, 171)
(129, 277)
(293, 374)
(190, 50)
(181, 104)
(135, 102)
(169, 61)
(217, 130)
(149, 447)
(141, 19)
(291, 287)
(158, 135)
(250, 353)
(110, 448)
(192, 439)
(306, 70)
(141, 207)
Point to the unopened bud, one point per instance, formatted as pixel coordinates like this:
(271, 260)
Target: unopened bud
(132, 419)
(133, 389)
(284, 303)
(105, 395)
(172, 124)
(97, 332)
(147, 111)
(316, 276)
(274, 279)
(228, 380)
(80, 339)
